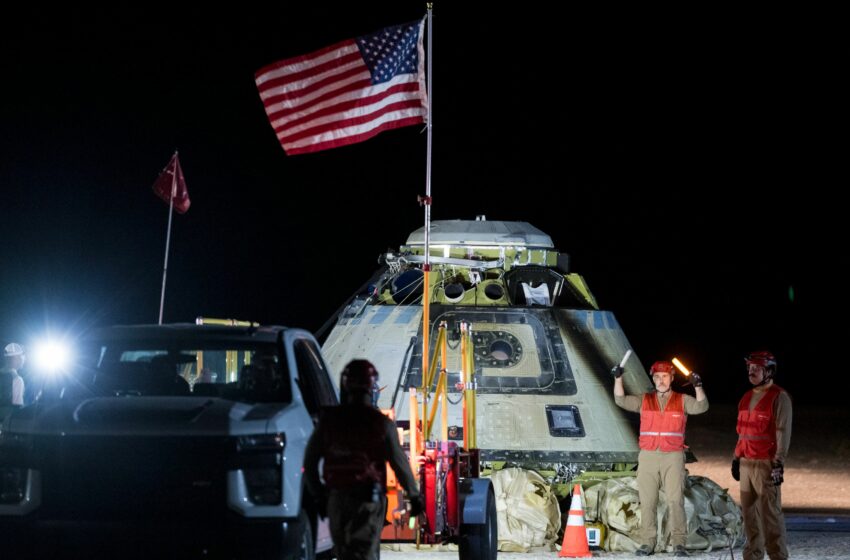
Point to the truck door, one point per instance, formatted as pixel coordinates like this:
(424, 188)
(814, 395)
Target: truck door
(313, 378)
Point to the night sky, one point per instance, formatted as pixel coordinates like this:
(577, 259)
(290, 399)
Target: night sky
(687, 162)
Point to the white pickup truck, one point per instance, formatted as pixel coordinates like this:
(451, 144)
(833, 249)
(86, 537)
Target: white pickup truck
(178, 440)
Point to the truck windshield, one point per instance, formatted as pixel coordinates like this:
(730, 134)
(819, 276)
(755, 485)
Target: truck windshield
(249, 372)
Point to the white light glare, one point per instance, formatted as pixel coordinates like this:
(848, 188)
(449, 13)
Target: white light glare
(52, 356)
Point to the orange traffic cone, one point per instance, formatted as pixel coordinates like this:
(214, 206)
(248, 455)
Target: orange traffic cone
(575, 536)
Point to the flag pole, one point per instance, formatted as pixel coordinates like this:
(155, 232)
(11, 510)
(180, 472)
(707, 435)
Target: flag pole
(426, 267)
(168, 236)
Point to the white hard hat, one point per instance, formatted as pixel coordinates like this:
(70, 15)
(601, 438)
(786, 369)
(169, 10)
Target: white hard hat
(13, 349)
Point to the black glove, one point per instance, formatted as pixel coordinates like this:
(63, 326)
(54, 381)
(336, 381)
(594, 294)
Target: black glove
(696, 380)
(617, 371)
(777, 473)
(736, 469)
(417, 505)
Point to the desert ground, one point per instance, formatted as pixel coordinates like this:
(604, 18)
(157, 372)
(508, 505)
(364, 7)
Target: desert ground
(817, 478)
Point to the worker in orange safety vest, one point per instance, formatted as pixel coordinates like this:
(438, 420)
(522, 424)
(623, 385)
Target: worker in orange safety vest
(661, 461)
(764, 435)
(356, 441)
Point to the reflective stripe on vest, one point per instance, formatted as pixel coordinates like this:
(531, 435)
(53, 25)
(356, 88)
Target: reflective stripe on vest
(757, 427)
(662, 430)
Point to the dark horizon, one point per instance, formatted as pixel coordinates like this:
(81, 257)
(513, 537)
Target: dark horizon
(683, 169)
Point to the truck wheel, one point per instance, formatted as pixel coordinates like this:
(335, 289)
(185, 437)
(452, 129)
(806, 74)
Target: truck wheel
(307, 544)
(480, 542)
(271, 541)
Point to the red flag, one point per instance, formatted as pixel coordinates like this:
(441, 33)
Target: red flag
(165, 186)
(347, 92)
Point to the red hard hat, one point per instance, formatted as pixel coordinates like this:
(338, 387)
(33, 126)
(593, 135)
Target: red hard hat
(662, 366)
(359, 376)
(762, 358)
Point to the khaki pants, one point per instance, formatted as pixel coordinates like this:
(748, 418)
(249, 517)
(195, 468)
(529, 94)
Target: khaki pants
(657, 469)
(762, 504)
(356, 523)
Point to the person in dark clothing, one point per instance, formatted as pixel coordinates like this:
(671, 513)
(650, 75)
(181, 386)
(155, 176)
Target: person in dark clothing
(356, 441)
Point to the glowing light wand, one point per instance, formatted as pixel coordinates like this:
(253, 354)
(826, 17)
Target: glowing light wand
(681, 367)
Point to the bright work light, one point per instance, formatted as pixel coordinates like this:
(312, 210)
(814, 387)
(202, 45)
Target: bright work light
(52, 356)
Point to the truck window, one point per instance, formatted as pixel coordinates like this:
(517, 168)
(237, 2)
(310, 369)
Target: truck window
(313, 376)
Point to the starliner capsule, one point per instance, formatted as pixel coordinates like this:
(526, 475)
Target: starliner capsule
(541, 346)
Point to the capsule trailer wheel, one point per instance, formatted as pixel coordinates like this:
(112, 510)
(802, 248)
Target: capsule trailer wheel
(481, 541)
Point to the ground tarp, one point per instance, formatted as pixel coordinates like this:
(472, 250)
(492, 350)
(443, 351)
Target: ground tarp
(528, 511)
(714, 519)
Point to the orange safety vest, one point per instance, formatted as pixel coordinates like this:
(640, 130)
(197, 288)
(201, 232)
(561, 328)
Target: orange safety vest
(662, 429)
(757, 427)
(354, 446)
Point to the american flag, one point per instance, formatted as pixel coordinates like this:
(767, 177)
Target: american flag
(348, 92)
